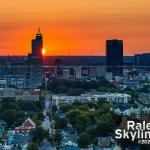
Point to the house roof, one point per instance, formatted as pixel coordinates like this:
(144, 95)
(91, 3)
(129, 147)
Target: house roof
(70, 148)
(69, 135)
(104, 139)
(18, 139)
(29, 123)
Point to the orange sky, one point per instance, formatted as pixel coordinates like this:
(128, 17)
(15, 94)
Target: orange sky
(75, 27)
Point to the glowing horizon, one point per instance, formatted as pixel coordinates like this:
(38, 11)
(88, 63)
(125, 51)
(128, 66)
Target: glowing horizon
(72, 27)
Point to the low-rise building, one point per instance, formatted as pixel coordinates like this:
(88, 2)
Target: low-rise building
(130, 84)
(32, 94)
(144, 98)
(78, 74)
(104, 141)
(136, 112)
(66, 73)
(3, 83)
(118, 98)
(70, 148)
(58, 100)
(69, 137)
(115, 98)
(18, 139)
(108, 76)
(2, 127)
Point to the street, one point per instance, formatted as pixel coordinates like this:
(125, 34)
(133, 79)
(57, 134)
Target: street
(45, 145)
(46, 123)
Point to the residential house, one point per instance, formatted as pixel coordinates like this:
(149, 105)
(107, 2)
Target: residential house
(26, 127)
(69, 137)
(144, 98)
(104, 141)
(70, 148)
(18, 139)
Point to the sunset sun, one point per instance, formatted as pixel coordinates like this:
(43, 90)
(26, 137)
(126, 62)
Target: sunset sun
(43, 51)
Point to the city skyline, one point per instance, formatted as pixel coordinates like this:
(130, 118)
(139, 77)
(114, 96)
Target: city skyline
(74, 28)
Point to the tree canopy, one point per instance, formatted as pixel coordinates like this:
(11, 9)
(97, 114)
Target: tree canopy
(84, 140)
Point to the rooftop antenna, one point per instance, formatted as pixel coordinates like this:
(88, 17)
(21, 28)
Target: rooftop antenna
(39, 31)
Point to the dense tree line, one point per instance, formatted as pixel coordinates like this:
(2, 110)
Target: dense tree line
(72, 87)
(15, 112)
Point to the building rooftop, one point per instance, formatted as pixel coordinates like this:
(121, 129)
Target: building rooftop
(70, 148)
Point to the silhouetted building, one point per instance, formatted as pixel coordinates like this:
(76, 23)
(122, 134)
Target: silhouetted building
(114, 57)
(34, 76)
(142, 59)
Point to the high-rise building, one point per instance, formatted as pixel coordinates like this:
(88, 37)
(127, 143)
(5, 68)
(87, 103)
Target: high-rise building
(37, 45)
(142, 62)
(114, 57)
(142, 59)
(34, 76)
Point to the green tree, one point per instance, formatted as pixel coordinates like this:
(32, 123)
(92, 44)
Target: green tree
(32, 146)
(84, 140)
(77, 103)
(39, 135)
(64, 108)
(75, 92)
(54, 108)
(36, 119)
(27, 105)
(84, 107)
(105, 124)
(9, 103)
(92, 132)
(72, 115)
(57, 137)
(117, 118)
(11, 116)
(39, 105)
(78, 87)
(42, 95)
(134, 97)
(92, 105)
(106, 107)
(40, 116)
(92, 115)
(101, 101)
(60, 123)
(83, 122)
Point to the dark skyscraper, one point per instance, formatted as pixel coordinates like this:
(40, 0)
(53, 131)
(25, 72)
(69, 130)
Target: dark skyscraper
(114, 57)
(35, 63)
(37, 45)
(142, 59)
